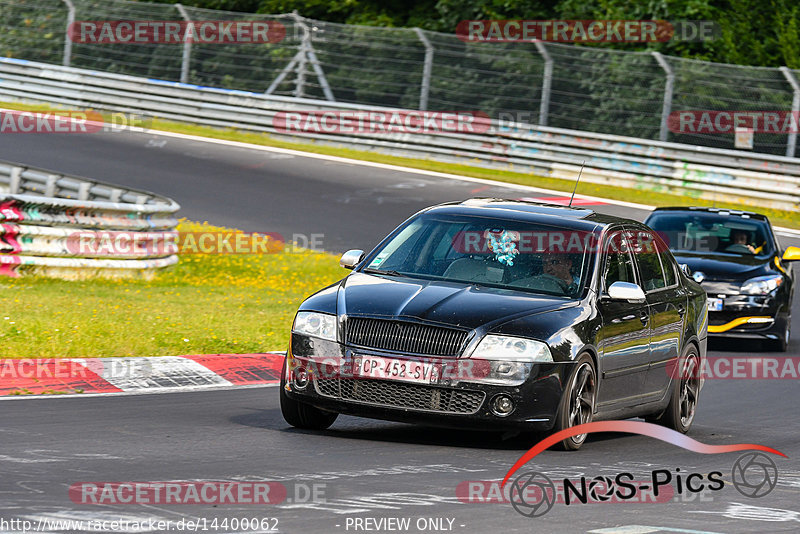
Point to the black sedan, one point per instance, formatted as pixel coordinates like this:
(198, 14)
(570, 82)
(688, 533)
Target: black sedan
(500, 314)
(736, 258)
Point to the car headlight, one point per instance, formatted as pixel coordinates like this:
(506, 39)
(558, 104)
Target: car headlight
(508, 360)
(315, 324)
(762, 285)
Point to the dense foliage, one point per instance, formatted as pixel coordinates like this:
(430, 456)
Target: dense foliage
(753, 32)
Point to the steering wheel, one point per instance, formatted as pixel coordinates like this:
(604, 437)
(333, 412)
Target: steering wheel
(548, 283)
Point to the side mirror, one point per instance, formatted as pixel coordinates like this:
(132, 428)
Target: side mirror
(791, 254)
(351, 258)
(626, 291)
(685, 269)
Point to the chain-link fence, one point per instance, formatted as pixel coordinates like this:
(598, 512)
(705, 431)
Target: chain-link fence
(564, 86)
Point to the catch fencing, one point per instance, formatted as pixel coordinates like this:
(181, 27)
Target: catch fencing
(56, 224)
(587, 88)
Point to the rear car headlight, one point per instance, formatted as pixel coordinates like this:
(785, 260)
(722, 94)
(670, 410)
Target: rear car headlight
(762, 285)
(508, 359)
(322, 325)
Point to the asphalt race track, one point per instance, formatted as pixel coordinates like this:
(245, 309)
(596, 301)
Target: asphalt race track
(359, 469)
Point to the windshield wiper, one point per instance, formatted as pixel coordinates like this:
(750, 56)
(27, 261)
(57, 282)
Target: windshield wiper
(381, 271)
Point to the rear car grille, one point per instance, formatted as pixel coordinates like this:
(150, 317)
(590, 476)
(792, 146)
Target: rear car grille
(400, 336)
(401, 395)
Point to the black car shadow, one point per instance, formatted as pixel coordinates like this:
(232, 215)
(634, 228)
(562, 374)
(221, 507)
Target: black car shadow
(349, 427)
(754, 346)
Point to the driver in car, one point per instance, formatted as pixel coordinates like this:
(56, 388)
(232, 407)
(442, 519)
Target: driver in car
(739, 243)
(560, 266)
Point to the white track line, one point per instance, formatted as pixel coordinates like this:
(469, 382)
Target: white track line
(385, 166)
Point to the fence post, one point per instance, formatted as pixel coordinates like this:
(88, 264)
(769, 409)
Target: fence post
(666, 107)
(187, 44)
(312, 57)
(302, 59)
(425, 87)
(547, 83)
(67, 39)
(791, 141)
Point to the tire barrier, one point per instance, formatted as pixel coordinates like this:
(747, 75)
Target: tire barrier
(71, 227)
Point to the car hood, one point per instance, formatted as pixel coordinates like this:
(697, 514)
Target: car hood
(725, 267)
(450, 303)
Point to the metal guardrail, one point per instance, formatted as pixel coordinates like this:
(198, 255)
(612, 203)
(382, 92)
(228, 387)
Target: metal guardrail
(71, 227)
(699, 172)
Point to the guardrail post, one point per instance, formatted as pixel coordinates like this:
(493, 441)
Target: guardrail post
(791, 141)
(666, 107)
(14, 180)
(187, 44)
(547, 83)
(67, 39)
(50, 186)
(425, 87)
(83, 190)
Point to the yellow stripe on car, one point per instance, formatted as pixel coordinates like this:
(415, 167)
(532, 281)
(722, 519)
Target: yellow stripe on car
(715, 329)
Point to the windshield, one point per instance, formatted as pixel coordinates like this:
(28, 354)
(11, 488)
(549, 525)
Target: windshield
(713, 233)
(488, 251)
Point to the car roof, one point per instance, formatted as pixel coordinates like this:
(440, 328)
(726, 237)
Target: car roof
(530, 211)
(717, 211)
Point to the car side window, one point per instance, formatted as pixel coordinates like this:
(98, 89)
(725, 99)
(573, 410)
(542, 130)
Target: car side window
(646, 251)
(667, 262)
(619, 263)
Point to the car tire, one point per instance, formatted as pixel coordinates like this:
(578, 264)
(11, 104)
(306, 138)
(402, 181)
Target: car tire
(577, 402)
(302, 415)
(682, 406)
(782, 344)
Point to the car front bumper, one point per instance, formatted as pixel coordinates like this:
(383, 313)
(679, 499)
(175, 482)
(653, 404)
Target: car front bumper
(749, 316)
(444, 402)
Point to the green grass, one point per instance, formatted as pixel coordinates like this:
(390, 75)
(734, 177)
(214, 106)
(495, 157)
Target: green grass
(662, 197)
(206, 304)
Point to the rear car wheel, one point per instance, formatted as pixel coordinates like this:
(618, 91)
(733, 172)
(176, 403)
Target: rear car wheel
(682, 406)
(577, 402)
(302, 415)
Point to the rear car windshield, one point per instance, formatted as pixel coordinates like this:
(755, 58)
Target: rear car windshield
(494, 252)
(712, 233)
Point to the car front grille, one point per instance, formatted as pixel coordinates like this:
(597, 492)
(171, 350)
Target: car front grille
(394, 394)
(401, 336)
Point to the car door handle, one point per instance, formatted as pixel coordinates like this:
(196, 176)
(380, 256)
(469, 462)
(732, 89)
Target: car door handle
(645, 317)
(681, 310)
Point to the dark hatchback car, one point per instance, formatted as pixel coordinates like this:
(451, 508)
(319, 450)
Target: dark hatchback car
(736, 258)
(500, 314)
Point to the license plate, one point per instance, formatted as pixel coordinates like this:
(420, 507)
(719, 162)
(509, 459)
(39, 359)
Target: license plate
(714, 304)
(393, 369)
